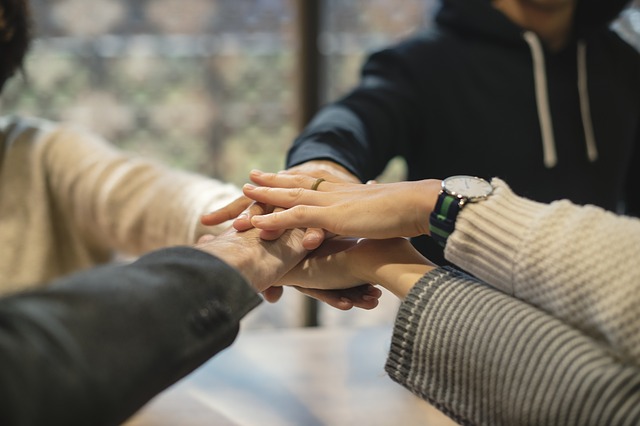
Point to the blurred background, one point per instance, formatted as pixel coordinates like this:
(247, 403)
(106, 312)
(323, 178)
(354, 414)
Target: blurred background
(204, 85)
(211, 86)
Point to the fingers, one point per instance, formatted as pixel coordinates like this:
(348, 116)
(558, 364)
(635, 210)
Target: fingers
(271, 235)
(313, 238)
(243, 221)
(272, 294)
(289, 179)
(364, 296)
(228, 212)
(285, 197)
(295, 217)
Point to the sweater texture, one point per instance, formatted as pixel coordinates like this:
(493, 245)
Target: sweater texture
(69, 200)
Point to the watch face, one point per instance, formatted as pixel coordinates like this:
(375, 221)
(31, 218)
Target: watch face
(469, 187)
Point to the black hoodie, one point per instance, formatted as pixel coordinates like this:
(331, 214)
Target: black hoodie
(476, 94)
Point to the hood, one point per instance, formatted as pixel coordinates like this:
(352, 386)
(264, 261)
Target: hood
(479, 17)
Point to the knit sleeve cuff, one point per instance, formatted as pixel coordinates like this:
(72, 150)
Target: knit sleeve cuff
(488, 235)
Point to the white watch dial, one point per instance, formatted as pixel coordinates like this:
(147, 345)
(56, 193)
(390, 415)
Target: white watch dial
(469, 187)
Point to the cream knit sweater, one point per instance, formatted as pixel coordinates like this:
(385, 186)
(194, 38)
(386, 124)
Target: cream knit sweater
(69, 200)
(581, 264)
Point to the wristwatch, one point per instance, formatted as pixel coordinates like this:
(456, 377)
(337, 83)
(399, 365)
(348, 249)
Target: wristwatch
(455, 193)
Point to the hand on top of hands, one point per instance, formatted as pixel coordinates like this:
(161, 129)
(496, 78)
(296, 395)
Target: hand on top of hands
(388, 210)
(244, 208)
(264, 263)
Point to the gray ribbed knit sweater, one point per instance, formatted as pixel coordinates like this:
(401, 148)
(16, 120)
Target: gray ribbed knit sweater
(559, 344)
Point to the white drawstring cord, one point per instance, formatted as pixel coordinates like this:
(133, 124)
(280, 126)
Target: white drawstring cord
(542, 100)
(585, 109)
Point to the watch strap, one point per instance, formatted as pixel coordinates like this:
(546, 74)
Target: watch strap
(443, 218)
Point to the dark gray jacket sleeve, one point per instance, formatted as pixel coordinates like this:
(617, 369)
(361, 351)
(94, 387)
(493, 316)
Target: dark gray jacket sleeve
(94, 347)
(485, 358)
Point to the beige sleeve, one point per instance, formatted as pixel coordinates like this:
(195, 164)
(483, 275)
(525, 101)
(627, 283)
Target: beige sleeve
(579, 263)
(130, 204)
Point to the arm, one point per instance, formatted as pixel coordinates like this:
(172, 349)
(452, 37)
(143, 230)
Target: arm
(96, 346)
(579, 263)
(350, 140)
(372, 124)
(486, 358)
(122, 202)
(342, 263)
(477, 354)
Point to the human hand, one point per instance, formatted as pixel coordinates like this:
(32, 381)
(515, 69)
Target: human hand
(389, 210)
(262, 263)
(243, 208)
(328, 171)
(344, 262)
(363, 296)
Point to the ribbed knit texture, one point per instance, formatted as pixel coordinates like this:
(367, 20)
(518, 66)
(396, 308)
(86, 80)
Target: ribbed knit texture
(69, 200)
(581, 264)
(486, 358)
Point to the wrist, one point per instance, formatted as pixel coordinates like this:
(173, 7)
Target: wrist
(393, 264)
(399, 279)
(456, 192)
(428, 196)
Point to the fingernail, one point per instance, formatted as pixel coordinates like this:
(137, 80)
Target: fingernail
(368, 298)
(248, 187)
(346, 300)
(312, 238)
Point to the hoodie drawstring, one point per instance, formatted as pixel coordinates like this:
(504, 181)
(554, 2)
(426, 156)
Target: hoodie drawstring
(542, 101)
(585, 108)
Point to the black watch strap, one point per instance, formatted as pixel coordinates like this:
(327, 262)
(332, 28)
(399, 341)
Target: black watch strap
(442, 220)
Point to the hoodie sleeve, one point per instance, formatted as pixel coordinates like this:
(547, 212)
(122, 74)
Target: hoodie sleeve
(95, 346)
(356, 130)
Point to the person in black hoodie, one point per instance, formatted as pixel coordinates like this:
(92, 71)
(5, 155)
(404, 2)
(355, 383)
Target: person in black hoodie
(541, 93)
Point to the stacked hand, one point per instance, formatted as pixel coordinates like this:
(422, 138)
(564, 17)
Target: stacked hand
(289, 201)
(373, 211)
(265, 263)
(244, 208)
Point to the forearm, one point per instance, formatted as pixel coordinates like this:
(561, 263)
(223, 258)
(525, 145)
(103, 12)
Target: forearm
(458, 342)
(393, 264)
(97, 345)
(397, 271)
(336, 134)
(367, 128)
(578, 263)
(127, 204)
